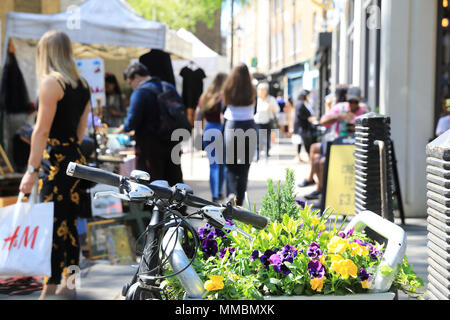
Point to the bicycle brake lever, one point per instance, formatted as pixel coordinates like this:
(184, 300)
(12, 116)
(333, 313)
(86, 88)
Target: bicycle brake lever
(239, 230)
(111, 194)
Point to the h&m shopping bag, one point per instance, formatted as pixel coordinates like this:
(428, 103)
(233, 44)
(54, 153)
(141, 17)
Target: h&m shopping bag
(26, 237)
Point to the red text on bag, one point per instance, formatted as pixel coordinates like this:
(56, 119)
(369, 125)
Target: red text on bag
(25, 238)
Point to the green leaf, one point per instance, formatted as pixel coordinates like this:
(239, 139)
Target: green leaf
(385, 270)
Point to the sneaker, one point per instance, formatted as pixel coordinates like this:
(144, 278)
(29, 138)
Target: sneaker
(306, 183)
(315, 195)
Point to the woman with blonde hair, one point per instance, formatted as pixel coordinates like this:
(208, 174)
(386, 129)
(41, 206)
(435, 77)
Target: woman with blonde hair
(239, 97)
(64, 100)
(210, 109)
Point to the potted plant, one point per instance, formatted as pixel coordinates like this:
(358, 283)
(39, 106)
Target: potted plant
(301, 254)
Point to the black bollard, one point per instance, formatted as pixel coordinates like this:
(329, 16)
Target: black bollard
(373, 165)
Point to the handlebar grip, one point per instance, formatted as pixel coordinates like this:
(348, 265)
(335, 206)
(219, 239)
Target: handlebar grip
(93, 174)
(256, 220)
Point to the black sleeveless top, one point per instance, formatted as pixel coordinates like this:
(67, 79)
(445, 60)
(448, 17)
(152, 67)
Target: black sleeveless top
(69, 111)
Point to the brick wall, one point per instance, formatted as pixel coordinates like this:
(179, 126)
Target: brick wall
(210, 36)
(32, 6)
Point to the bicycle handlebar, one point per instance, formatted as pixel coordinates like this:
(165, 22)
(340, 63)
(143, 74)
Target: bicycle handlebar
(104, 177)
(93, 174)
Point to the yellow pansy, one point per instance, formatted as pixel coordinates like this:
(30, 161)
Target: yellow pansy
(216, 283)
(337, 245)
(234, 277)
(317, 283)
(358, 250)
(366, 284)
(344, 267)
(323, 259)
(315, 221)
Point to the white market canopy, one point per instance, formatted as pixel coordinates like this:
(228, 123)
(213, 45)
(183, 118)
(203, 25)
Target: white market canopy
(99, 22)
(204, 57)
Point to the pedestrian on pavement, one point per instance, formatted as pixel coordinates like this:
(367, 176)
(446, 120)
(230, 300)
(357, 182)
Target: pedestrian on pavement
(290, 116)
(64, 101)
(239, 97)
(281, 115)
(316, 152)
(343, 116)
(444, 121)
(153, 152)
(210, 110)
(115, 110)
(303, 126)
(267, 108)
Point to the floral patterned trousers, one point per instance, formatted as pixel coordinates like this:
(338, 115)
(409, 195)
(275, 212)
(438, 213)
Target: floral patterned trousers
(57, 187)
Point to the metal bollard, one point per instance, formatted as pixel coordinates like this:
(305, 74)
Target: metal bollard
(438, 221)
(373, 165)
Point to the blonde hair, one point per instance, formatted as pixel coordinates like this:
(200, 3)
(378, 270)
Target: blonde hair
(210, 98)
(55, 58)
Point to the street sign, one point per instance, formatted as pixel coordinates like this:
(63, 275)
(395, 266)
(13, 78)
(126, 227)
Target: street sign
(339, 176)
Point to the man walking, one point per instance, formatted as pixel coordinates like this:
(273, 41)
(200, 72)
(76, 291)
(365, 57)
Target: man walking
(153, 152)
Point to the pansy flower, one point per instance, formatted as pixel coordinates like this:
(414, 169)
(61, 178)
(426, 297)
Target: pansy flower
(254, 256)
(209, 247)
(314, 251)
(337, 245)
(344, 267)
(215, 283)
(316, 269)
(317, 283)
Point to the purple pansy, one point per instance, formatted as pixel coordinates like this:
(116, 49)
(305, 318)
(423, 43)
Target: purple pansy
(276, 259)
(314, 251)
(209, 247)
(222, 252)
(265, 258)
(374, 253)
(316, 269)
(255, 255)
(363, 274)
(301, 203)
(346, 235)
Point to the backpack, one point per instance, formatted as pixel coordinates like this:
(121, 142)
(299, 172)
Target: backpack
(172, 112)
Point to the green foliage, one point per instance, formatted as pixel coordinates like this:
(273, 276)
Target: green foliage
(248, 269)
(179, 13)
(280, 200)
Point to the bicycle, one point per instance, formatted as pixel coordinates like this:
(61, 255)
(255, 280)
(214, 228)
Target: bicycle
(171, 237)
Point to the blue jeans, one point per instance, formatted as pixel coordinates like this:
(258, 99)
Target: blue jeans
(216, 166)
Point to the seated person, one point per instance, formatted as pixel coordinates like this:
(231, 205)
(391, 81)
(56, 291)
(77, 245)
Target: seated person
(444, 122)
(343, 115)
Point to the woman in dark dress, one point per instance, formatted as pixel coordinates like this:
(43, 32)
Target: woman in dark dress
(64, 100)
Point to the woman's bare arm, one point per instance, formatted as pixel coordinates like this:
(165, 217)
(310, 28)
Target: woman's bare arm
(83, 122)
(50, 92)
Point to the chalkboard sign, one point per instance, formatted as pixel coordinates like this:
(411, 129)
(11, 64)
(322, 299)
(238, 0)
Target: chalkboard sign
(339, 176)
(97, 238)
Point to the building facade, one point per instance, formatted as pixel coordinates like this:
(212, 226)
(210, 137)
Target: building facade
(398, 52)
(278, 40)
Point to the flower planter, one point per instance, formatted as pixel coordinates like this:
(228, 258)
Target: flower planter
(367, 296)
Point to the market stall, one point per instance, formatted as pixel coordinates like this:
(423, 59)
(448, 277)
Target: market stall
(108, 30)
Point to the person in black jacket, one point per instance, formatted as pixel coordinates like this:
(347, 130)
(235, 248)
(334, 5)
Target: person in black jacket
(304, 116)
